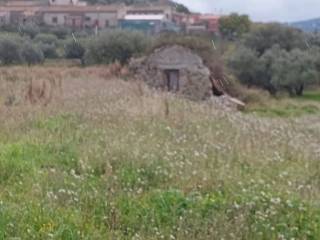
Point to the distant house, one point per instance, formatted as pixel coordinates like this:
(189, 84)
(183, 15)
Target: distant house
(150, 24)
(81, 16)
(211, 21)
(19, 15)
(20, 12)
(196, 23)
(66, 3)
(150, 18)
(151, 9)
(26, 3)
(147, 23)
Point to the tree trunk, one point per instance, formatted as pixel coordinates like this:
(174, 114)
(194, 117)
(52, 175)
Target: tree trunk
(299, 90)
(291, 91)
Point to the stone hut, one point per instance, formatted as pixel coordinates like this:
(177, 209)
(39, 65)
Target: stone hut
(175, 69)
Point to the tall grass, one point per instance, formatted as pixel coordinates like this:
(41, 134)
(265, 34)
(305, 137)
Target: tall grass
(112, 159)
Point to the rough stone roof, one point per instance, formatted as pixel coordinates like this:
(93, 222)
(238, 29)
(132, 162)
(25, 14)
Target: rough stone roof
(175, 56)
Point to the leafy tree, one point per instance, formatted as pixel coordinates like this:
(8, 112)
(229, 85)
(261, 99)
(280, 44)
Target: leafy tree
(244, 63)
(266, 62)
(115, 45)
(29, 29)
(276, 70)
(264, 36)
(128, 2)
(293, 71)
(315, 51)
(313, 39)
(46, 38)
(182, 8)
(31, 54)
(234, 25)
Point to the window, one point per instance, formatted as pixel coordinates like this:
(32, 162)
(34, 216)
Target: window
(172, 80)
(54, 20)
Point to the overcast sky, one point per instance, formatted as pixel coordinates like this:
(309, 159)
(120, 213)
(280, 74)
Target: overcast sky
(260, 10)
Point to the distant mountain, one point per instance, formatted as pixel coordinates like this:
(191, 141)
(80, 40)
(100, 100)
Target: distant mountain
(312, 25)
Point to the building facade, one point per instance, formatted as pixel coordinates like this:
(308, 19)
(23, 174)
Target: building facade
(150, 18)
(197, 23)
(81, 17)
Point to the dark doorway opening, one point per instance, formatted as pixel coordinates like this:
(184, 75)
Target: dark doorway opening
(172, 80)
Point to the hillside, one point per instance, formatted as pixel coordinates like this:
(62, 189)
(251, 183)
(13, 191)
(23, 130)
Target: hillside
(179, 7)
(311, 25)
(121, 1)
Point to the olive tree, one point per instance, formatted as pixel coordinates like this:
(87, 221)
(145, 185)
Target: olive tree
(244, 63)
(265, 36)
(115, 45)
(277, 69)
(29, 29)
(293, 71)
(234, 25)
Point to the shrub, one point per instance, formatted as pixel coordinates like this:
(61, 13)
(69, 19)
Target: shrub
(9, 28)
(32, 54)
(49, 50)
(115, 45)
(48, 44)
(10, 50)
(74, 50)
(60, 32)
(46, 38)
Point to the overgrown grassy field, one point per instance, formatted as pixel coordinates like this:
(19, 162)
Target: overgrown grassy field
(111, 159)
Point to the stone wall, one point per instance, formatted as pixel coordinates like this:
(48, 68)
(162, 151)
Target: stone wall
(194, 76)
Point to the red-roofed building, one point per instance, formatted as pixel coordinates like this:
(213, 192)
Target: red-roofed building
(202, 23)
(212, 22)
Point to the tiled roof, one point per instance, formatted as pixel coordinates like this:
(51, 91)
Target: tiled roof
(23, 3)
(34, 6)
(209, 17)
(109, 8)
(19, 9)
(147, 7)
(57, 9)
